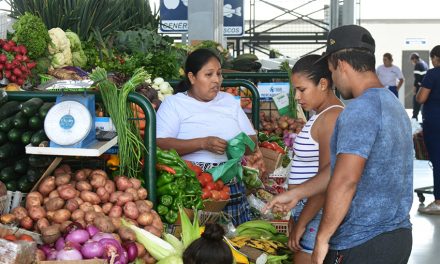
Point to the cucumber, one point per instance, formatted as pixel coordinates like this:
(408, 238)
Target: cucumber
(6, 124)
(3, 137)
(7, 174)
(42, 112)
(20, 120)
(14, 135)
(38, 137)
(35, 122)
(11, 150)
(11, 185)
(31, 106)
(26, 137)
(21, 166)
(9, 109)
(33, 174)
(38, 161)
(24, 185)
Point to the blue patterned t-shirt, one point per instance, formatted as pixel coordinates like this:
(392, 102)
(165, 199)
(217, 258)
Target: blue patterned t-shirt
(376, 127)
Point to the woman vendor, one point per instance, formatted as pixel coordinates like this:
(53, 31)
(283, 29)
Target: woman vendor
(199, 120)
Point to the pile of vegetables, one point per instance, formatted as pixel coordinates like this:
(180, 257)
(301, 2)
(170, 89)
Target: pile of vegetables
(279, 125)
(277, 144)
(177, 186)
(245, 96)
(15, 65)
(87, 197)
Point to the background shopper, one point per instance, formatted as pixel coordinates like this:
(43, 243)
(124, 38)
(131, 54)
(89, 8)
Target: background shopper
(390, 75)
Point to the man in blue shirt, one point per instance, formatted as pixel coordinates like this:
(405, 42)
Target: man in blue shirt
(420, 68)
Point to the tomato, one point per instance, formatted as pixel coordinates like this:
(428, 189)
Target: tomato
(226, 189)
(10, 237)
(215, 195)
(205, 178)
(219, 184)
(210, 186)
(206, 194)
(224, 195)
(26, 238)
(196, 169)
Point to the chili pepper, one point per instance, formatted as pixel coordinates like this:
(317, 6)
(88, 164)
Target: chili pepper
(179, 170)
(164, 154)
(163, 167)
(178, 159)
(169, 188)
(164, 178)
(268, 145)
(177, 202)
(187, 203)
(171, 216)
(190, 173)
(166, 200)
(277, 148)
(198, 204)
(180, 183)
(162, 210)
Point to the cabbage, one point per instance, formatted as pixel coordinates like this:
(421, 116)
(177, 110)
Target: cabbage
(59, 41)
(58, 60)
(75, 43)
(79, 58)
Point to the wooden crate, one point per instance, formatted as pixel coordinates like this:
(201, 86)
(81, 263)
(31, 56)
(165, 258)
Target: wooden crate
(271, 158)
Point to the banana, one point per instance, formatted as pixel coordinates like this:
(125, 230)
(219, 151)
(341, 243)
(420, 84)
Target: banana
(239, 257)
(261, 224)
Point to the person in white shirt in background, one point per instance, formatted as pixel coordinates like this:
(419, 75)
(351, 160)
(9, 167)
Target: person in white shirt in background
(390, 75)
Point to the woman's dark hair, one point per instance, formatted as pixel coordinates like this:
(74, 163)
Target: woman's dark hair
(194, 62)
(209, 249)
(388, 56)
(435, 52)
(361, 60)
(313, 70)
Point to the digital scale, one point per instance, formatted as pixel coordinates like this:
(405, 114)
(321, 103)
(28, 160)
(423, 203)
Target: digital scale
(70, 123)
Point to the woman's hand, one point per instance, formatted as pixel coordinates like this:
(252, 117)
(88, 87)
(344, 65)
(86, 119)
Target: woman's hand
(214, 144)
(283, 202)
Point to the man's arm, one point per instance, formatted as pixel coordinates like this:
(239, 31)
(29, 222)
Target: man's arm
(399, 84)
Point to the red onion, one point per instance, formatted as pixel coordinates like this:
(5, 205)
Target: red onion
(111, 247)
(52, 254)
(73, 245)
(92, 250)
(93, 230)
(60, 243)
(78, 236)
(132, 251)
(46, 249)
(72, 227)
(69, 254)
(122, 258)
(101, 235)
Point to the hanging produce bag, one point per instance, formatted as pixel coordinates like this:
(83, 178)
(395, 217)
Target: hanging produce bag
(234, 151)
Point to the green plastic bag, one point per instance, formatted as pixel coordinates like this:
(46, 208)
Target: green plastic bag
(234, 151)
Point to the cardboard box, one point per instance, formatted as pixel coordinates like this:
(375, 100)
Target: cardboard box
(17, 252)
(272, 159)
(87, 261)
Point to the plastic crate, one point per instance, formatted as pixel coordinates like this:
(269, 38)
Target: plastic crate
(13, 199)
(282, 226)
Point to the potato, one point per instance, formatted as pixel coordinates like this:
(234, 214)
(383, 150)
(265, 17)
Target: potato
(142, 193)
(142, 206)
(42, 223)
(61, 216)
(64, 225)
(83, 186)
(45, 200)
(59, 171)
(145, 219)
(124, 198)
(77, 214)
(71, 205)
(47, 185)
(133, 192)
(80, 175)
(135, 182)
(20, 213)
(122, 183)
(49, 215)
(26, 223)
(104, 224)
(90, 197)
(97, 208)
(99, 178)
(103, 194)
(82, 222)
(66, 168)
(153, 230)
(116, 221)
(131, 211)
(54, 204)
(54, 194)
(87, 172)
(50, 234)
(37, 212)
(8, 219)
(114, 196)
(67, 192)
(90, 216)
(141, 249)
(106, 207)
(115, 211)
(62, 179)
(34, 199)
(86, 206)
(79, 200)
(126, 234)
(148, 259)
(110, 186)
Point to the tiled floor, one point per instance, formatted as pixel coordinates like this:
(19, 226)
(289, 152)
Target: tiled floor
(426, 228)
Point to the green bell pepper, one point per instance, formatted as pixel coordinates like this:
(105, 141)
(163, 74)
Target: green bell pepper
(181, 183)
(169, 188)
(164, 178)
(162, 210)
(166, 200)
(171, 216)
(177, 202)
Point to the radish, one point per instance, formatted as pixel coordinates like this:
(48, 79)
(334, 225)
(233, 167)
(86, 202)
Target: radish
(8, 66)
(7, 47)
(20, 81)
(12, 43)
(17, 72)
(23, 68)
(3, 58)
(8, 74)
(31, 65)
(13, 78)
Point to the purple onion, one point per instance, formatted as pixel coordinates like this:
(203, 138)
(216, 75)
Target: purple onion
(69, 254)
(93, 230)
(92, 249)
(46, 249)
(101, 235)
(72, 227)
(132, 251)
(111, 247)
(79, 236)
(122, 258)
(60, 243)
(73, 245)
(52, 254)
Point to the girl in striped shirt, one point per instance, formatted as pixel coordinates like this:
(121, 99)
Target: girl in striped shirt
(313, 84)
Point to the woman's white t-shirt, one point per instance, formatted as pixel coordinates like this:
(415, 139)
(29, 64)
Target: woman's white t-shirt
(183, 117)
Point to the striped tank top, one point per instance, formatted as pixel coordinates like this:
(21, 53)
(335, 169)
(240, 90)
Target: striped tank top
(305, 162)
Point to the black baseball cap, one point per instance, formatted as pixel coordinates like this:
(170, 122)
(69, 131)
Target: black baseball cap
(347, 37)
